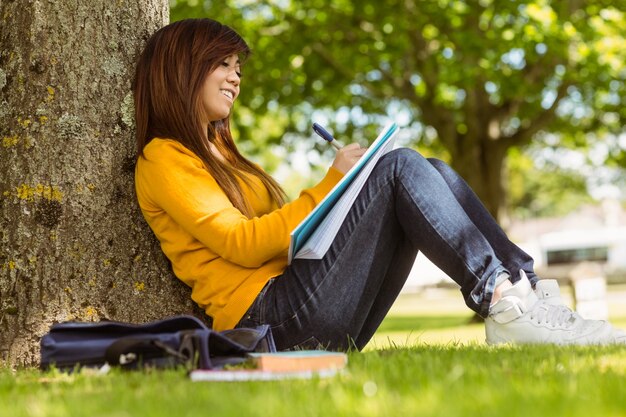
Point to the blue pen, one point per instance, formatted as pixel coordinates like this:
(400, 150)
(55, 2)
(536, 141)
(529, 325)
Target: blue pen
(325, 135)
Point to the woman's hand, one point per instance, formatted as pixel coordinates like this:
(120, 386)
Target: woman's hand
(348, 156)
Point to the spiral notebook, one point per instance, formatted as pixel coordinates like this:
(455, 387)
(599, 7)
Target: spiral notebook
(313, 236)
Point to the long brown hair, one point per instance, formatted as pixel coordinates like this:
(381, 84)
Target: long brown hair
(168, 79)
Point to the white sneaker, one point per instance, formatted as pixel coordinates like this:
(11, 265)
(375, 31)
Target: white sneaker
(547, 290)
(619, 336)
(526, 316)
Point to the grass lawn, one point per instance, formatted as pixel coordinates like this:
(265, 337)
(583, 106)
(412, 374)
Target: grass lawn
(424, 361)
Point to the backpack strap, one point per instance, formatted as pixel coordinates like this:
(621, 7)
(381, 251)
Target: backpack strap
(132, 352)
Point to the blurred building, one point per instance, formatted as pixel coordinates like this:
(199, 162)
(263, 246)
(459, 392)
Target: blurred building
(593, 234)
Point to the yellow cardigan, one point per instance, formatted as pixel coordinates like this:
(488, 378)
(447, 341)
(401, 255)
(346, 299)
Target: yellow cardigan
(225, 257)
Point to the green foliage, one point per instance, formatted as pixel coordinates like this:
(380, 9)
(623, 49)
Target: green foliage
(476, 78)
(367, 54)
(548, 191)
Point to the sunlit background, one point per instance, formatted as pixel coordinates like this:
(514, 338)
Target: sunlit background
(526, 99)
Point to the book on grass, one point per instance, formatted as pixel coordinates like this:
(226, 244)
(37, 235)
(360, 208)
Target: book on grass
(313, 236)
(302, 364)
(299, 360)
(256, 375)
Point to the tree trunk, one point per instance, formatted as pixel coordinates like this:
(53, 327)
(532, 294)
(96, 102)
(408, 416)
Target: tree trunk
(73, 244)
(481, 164)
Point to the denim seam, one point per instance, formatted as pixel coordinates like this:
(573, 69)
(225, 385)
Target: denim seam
(479, 306)
(258, 304)
(261, 302)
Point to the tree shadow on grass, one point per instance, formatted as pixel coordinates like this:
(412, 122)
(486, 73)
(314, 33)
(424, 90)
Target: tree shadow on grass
(412, 323)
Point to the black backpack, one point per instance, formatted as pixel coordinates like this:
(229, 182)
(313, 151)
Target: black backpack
(175, 341)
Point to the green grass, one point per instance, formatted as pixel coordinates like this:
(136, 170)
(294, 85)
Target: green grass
(452, 380)
(424, 361)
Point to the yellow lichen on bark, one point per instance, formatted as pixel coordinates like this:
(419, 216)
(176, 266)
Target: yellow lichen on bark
(90, 312)
(9, 141)
(50, 90)
(24, 122)
(10, 265)
(48, 192)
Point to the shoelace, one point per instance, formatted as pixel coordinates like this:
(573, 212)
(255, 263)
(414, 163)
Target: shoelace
(556, 315)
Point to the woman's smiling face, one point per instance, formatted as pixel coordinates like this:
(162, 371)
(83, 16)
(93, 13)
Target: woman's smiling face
(220, 89)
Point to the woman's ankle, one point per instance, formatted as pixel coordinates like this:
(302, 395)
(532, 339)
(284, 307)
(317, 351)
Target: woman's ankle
(503, 283)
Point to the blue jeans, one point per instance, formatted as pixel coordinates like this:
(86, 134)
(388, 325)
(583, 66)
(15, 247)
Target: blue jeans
(408, 204)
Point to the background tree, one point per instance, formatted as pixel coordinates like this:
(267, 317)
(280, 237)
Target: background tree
(548, 191)
(477, 77)
(73, 244)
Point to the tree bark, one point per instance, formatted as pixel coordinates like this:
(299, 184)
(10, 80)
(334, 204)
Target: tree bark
(73, 243)
(481, 164)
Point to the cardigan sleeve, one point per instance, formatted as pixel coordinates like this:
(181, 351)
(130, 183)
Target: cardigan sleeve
(172, 179)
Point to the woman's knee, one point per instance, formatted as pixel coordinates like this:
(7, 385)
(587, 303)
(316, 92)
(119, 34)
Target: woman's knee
(440, 165)
(405, 153)
(411, 155)
(437, 163)
(407, 164)
(404, 156)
